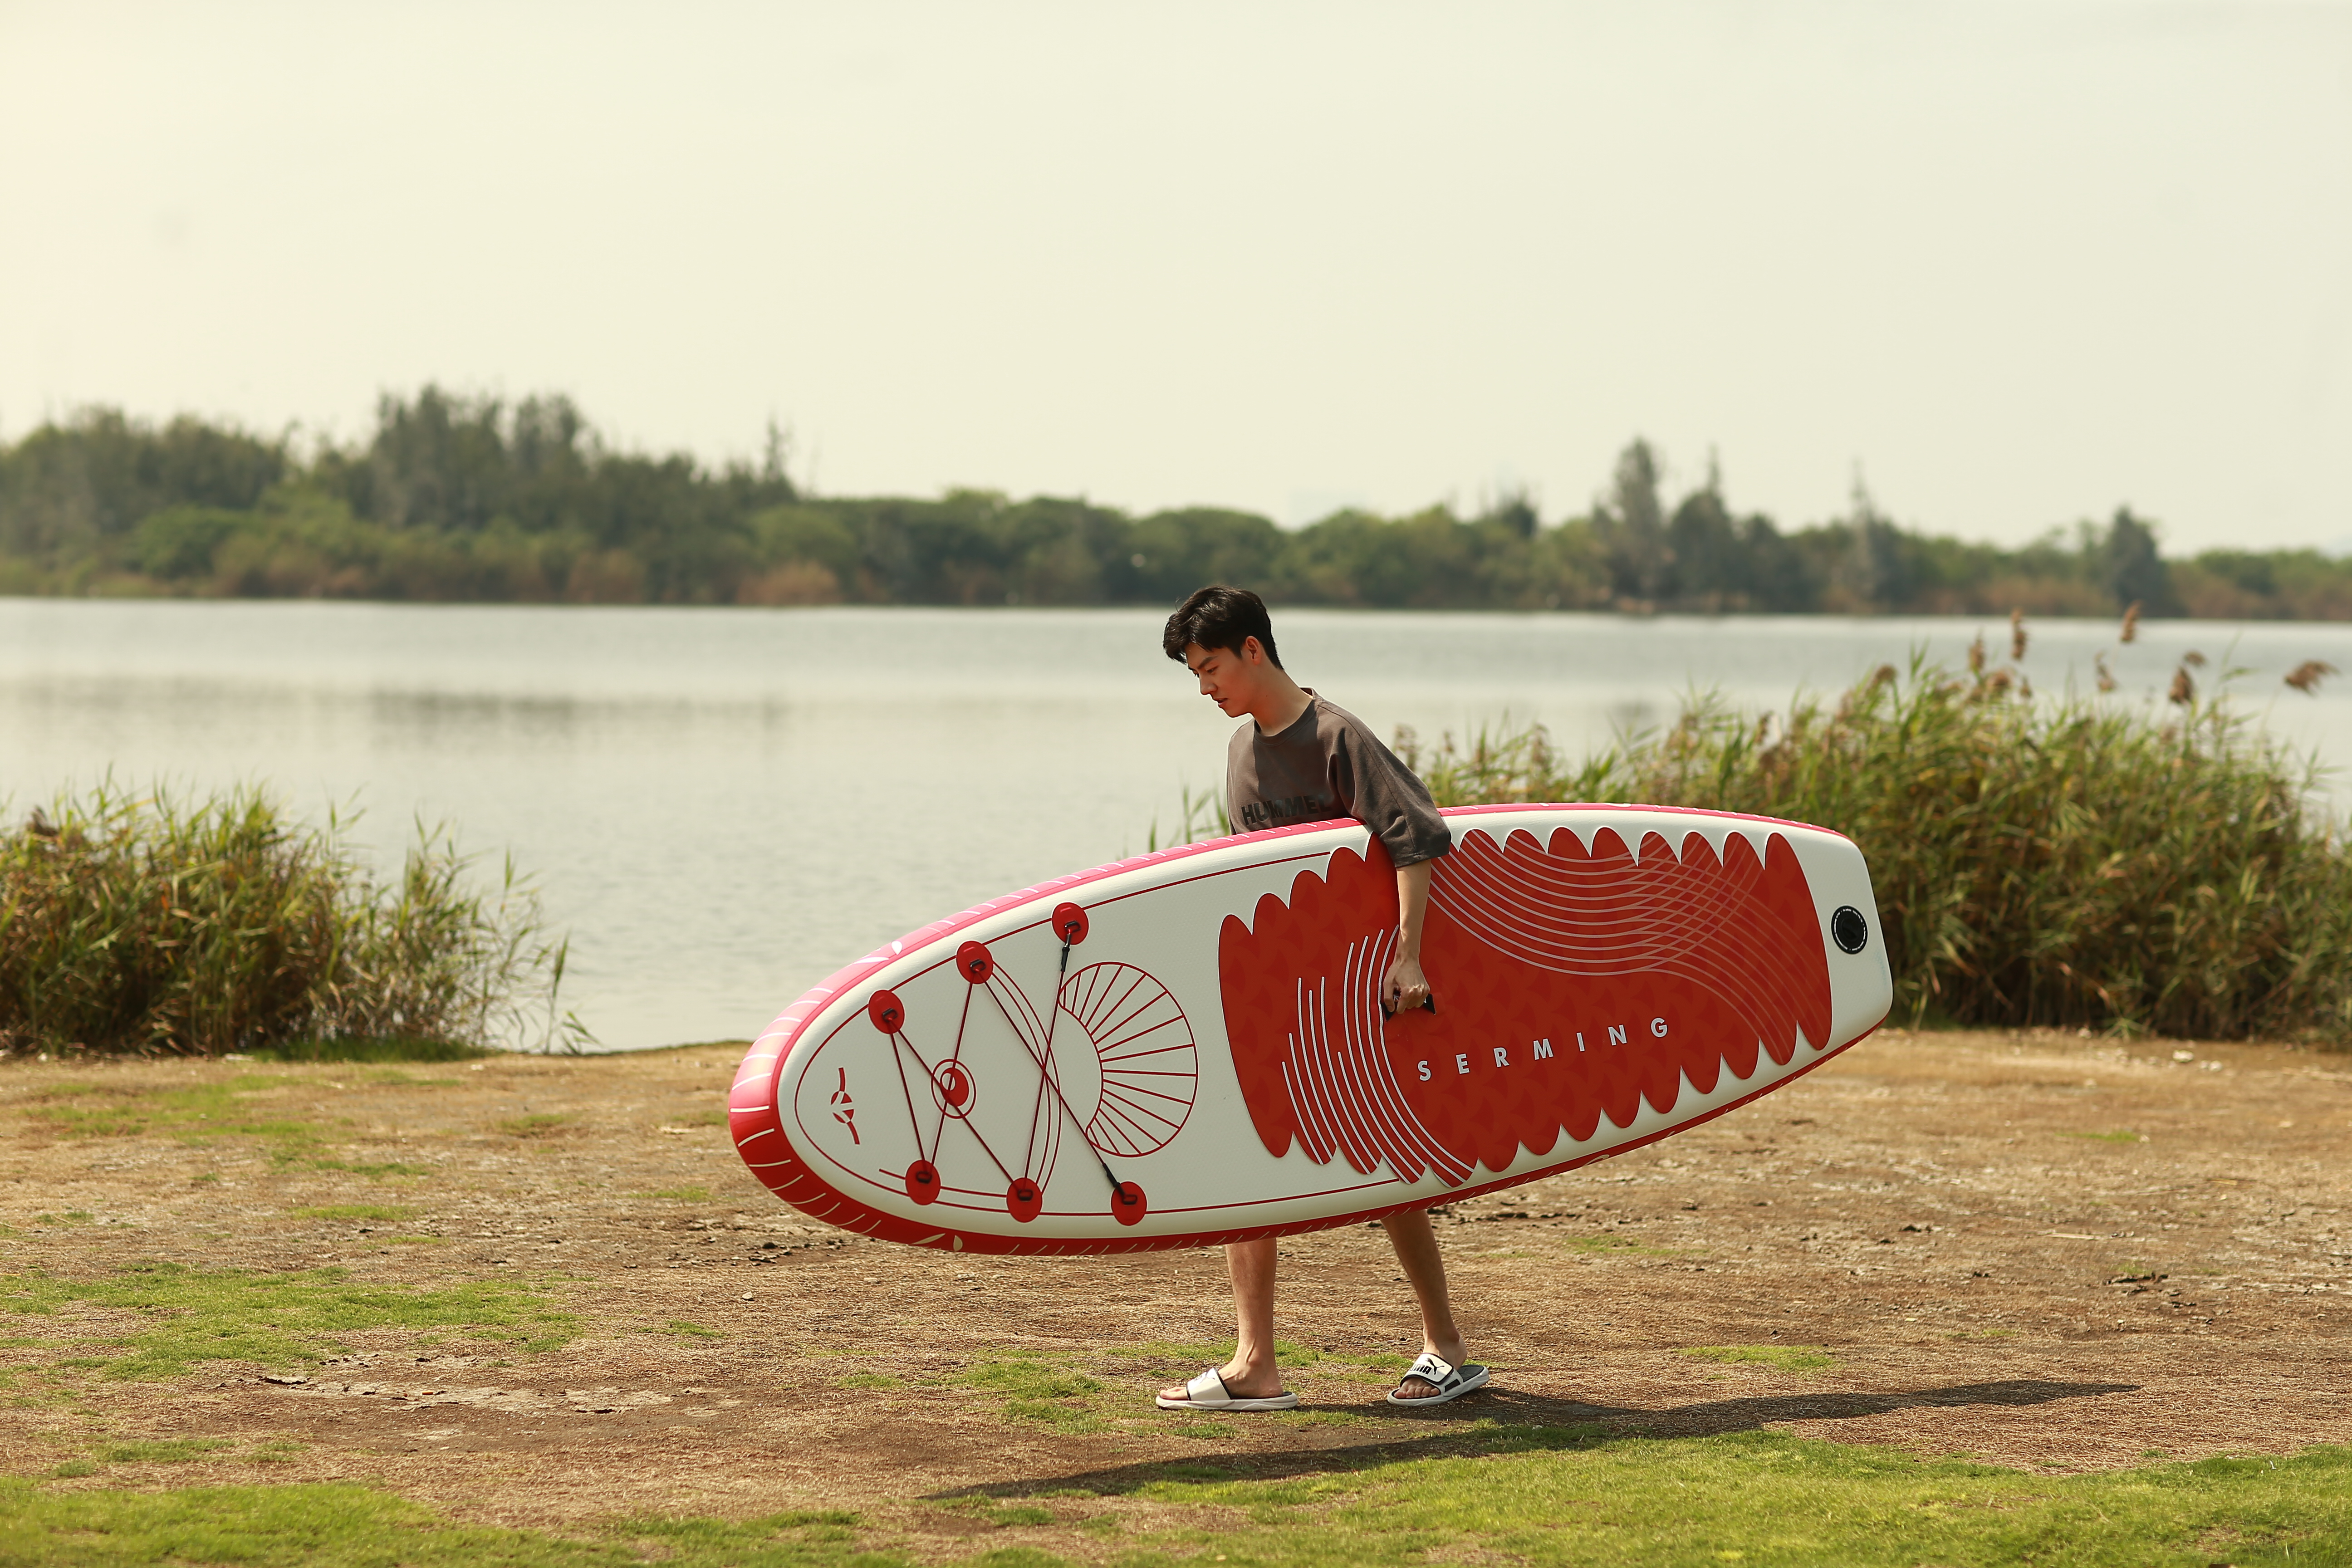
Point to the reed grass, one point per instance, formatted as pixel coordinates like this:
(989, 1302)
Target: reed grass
(142, 925)
(1200, 816)
(2071, 861)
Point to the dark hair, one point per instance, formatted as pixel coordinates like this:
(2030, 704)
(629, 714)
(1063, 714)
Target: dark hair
(1220, 617)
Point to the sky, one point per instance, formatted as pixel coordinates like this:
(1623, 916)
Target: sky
(2011, 265)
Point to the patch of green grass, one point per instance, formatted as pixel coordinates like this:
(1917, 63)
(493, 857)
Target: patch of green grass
(1040, 1391)
(159, 1451)
(991, 1510)
(382, 1077)
(684, 1194)
(2120, 1135)
(535, 1126)
(355, 1050)
(1566, 1495)
(186, 1316)
(276, 1451)
(1190, 1472)
(681, 1328)
(1053, 1413)
(1031, 1377)
(353, 1211)
(1781, 1358)
(1605, 1242)
(343, 1526)
(196, 1113)
(1199, 1427)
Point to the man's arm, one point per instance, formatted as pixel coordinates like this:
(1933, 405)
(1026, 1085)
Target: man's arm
(1406, 986)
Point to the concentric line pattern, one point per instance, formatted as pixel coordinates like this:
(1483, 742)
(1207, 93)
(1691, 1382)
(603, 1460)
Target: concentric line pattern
(1573, 983)
(1718, 924)
(1150, 1068)
(1344, 1094)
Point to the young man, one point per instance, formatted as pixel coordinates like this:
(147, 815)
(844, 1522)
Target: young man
(1301, 758)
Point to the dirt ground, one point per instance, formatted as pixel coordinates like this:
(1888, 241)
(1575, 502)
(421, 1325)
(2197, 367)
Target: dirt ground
(2041, 1250)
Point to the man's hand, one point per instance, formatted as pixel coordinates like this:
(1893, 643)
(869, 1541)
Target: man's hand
(1406, 987)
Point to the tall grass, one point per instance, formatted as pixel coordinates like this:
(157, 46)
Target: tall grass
(1200, 815)
(141, 924)
(2066, 861)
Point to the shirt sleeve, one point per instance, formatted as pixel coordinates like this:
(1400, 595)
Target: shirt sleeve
(1384, 794)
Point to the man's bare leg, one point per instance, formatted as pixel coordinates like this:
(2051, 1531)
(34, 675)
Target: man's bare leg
(1252, 1374)
(1424, 1269)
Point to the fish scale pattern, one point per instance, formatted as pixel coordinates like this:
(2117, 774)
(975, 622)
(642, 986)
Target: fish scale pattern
(1574, 981)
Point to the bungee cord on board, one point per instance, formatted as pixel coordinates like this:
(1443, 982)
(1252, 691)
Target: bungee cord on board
(952, 1084)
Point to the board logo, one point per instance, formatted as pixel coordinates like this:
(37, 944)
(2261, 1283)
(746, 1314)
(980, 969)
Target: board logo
(1574, 982)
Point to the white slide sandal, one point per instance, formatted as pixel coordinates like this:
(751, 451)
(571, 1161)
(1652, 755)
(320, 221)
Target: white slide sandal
(1451, 1382)
(1207, 1392)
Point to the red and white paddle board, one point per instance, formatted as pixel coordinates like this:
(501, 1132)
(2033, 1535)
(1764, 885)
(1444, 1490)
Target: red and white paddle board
(1189, 1048)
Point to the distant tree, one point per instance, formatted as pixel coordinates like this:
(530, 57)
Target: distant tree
(1173, 552)
(2132, 570)
(1710, 557)
(1344, 559)
(178, 542)
(1514, 512)
(786, 534)
(1065, 551)
(74, 488)
(1877, 567)
(453, 497)
(439, 461)
(1629, 524)
(1780, 577)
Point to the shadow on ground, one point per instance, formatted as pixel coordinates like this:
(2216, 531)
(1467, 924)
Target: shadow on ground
(1527, 1422)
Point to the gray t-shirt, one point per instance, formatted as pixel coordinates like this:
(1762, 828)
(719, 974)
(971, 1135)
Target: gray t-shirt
(1328, 763)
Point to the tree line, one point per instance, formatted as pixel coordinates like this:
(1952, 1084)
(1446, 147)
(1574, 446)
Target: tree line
(454, 497)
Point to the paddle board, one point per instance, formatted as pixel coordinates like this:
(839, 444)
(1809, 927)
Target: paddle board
(1189, 1048)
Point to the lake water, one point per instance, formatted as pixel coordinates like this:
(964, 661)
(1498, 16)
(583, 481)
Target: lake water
(724, 805)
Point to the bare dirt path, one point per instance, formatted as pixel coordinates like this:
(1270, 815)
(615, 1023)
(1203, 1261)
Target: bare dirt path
(2038, 1250)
